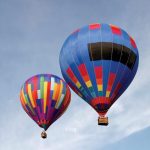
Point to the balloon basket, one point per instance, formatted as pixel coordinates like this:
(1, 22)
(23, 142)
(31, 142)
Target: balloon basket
(43, 135)
(103, 121)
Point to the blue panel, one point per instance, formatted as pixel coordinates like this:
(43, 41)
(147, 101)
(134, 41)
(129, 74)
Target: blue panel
(39, 104)
(53, 103)
(106, 34)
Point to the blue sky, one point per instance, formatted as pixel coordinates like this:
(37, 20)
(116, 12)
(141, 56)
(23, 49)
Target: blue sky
(31, 35)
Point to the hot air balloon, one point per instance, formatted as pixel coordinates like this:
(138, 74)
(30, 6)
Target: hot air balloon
(99, 61)
(45, 97)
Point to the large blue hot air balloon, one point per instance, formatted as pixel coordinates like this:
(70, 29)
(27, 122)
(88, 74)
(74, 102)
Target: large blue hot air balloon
(99, 61)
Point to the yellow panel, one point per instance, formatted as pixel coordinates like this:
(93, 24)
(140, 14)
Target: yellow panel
(30, 95)
(26, 101)
(89, 84)
(107, 93)
(54, 91)
(60, 93)
(78, 84)
(45, 95)
(100, 87)
(22, 100)
(23, 96)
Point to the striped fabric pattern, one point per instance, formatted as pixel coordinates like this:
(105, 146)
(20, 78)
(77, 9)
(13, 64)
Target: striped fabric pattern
(99, 61)
(45, 97)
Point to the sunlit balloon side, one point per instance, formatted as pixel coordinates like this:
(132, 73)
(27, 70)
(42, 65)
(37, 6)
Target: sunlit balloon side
(45, 97)
(99, 61)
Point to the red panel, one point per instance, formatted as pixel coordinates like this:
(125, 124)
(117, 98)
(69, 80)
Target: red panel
(116, 90)
(109, 87)
(94, 26)
(48, 93)
(100, 100)
(34, 94)
(71, 75)
(86, 78)
(98, 72)
(67, 96)
(35, 83)
(26, 86)
(57, 92)
(99, 81)
(103, 100)
(132, 42)
(111, 80)
(115, 30)
(95, 101)
(82, 69)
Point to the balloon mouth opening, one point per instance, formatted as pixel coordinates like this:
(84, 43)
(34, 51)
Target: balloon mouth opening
(103, 121)
(44, 135)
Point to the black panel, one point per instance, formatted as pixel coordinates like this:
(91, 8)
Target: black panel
(116, 52)
(103, 51)
(131, 60)
(125, 55)
(95, 51)
(106, 51)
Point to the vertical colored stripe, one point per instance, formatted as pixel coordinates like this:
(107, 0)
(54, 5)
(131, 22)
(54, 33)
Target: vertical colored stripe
(39, 94)
(48, 93)
(59, 96)
(42, 86)
(60, 101)
(52, 83)
(111, 80)
(35, 83)
(116, 91)
(99, 73)
(54, 93)
(28, 104)
(22, 93)
(35, 96)
(57, 91)
(45, 95)
(30, 95)
(84, 74)
(73, 77)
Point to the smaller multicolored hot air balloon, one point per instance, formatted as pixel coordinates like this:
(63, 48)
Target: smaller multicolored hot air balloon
(99, 61)
(45, 97)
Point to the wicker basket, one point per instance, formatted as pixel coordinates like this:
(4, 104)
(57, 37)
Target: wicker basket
(103, 121)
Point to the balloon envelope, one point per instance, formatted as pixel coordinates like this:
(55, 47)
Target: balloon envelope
(99, 61)
(45, 97)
